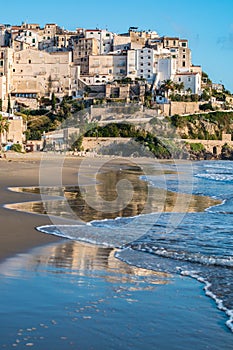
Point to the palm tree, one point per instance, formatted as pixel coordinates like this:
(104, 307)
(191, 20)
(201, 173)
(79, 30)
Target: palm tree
(167, 86)
(4, 127)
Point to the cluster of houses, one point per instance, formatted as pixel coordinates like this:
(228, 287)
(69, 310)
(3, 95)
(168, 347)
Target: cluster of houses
(37, 62)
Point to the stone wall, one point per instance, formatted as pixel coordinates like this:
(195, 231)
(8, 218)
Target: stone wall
(172, 108)
(93, 143)
(213, 146)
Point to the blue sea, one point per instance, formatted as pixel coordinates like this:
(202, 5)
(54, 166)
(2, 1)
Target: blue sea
(195, 244)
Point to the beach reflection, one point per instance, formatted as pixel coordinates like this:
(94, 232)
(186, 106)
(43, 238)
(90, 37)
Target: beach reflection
(85, 203)
(81, 259)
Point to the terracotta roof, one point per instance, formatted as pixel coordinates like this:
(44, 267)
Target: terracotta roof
(187, 73)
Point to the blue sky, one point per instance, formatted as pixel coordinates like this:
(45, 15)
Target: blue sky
(207, 24)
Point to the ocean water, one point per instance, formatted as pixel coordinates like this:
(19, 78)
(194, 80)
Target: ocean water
(197, 244)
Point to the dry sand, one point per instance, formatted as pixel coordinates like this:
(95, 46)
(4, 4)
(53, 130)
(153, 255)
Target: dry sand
(17, 232)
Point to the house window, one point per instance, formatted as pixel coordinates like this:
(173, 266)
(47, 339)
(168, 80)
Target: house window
(183, 63)
(148, 76)
(13, 70)
(107, 34)
(148, 70)
(1, 63)
(141, 64)
(149, 57)
(141, 70)
(29, 61)
(184, 56)
(179, 79)
(148, 63)
(183, 44)
(174, 42)
(33, 41)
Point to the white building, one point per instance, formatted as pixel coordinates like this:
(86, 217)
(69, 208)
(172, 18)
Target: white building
(4, 36)
(131, 69)
(166, 69)
(146, 66)
(28, 37)
(191, 81)
(104, 38)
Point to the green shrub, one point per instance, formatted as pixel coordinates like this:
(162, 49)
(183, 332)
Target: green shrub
(196, 147)
(16, 147)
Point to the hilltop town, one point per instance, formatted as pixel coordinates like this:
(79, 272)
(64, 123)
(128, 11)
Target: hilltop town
(41, 67)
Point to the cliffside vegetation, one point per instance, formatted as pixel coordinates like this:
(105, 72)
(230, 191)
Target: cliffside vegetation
(208, 126)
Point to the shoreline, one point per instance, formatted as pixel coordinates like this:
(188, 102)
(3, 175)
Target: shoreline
(68, 294)
(23, 171)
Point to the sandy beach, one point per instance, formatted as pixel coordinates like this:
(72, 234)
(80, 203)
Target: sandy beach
(18, 232)
(72, 295)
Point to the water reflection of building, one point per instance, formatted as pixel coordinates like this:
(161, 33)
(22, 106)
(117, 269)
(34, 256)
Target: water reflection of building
(83, 259)
(101, 201)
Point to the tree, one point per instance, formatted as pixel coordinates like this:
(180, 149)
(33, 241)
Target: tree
(178, 86)
(75, 142)
(9, 104)
(53, 102)
(167, 86)
(205, 95)
(4, 127)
